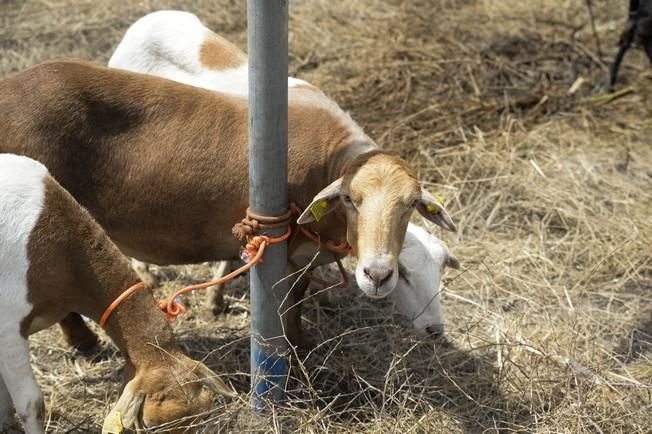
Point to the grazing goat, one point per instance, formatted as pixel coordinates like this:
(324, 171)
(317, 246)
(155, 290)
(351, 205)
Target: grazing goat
(55, 259)
(177, 46)
(162, 166)
(421, 265)
(638, 30)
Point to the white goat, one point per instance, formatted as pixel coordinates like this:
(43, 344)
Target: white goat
(177, 46)
(54, 259)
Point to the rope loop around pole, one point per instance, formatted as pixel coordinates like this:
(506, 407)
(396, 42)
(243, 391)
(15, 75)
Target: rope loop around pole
(251, 254)
(253, 223)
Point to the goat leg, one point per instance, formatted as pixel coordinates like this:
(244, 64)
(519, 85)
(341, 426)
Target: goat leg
(625, 43)
(6, 407)
(77, 333)
(215, 294)
(294, 331)
(18, 377)
(647, 45)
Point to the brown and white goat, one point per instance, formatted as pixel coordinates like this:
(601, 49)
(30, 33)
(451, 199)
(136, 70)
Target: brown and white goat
(55, 259)
(162, 166)
(177, 46)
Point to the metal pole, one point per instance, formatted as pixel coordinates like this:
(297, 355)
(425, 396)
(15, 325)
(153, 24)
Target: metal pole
(267, 23)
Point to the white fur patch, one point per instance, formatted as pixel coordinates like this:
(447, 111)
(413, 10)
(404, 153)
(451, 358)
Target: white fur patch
(22, 194)
(422, 259)
(21, 202)
(167, 44)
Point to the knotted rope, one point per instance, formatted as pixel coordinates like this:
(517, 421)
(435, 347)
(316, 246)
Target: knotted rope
(251, 254)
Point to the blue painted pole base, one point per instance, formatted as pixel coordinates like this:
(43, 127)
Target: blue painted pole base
(269, 378)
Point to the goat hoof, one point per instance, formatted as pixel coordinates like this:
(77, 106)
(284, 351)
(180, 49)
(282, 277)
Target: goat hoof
(7, 418)
(10, 425)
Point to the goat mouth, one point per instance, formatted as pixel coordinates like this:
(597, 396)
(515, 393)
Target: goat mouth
(377, 292)
(435, 330)
(376, 296)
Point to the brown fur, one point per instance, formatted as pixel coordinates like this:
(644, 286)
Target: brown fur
(218, 53)
(162, 166)
(157, 175)
(74, 267)
(383, 189)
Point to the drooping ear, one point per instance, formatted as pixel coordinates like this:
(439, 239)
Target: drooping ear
(434, 210)
(451, 260)
(126, 411)
(213, 382)
(323, 203)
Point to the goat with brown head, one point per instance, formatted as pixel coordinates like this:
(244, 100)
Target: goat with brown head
(377, 193)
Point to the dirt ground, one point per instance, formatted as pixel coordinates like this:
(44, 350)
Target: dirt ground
(549, 321)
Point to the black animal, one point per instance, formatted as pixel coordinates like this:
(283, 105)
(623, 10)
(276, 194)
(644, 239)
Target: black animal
(638, 30)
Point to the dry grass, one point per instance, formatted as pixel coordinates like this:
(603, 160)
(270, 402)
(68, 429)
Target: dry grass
(550, 319)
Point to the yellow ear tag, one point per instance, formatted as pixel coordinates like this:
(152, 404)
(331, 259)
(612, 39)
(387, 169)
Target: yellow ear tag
(318, 209)
(112, 423)
(432, 209)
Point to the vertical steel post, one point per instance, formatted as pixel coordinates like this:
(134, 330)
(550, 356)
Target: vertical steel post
(267, 23)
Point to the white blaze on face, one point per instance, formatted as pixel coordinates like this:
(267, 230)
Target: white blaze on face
(377, 269)
(417, 294)
(382, 195)
(21, 203)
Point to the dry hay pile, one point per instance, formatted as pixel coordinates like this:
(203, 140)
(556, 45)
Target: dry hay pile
(550, 319)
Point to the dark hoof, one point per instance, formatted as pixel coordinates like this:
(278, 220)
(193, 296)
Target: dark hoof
(221, 307)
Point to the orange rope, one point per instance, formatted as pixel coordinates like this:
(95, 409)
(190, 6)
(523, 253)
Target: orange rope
(251, 254)
(344, 283)
(122, 297)
(171, 307)
(342, 248)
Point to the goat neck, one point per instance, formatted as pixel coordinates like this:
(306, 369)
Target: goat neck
(89, 280)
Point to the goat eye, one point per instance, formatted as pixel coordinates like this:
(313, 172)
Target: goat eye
(347, 199)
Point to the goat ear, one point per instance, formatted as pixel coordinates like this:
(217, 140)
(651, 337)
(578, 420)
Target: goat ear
(213, 382)
(434, 210)
(451, 260)
(323, 203)
(126, 411)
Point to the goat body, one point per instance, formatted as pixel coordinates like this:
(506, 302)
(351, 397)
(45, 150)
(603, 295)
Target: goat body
(55, 259)
(177, 46)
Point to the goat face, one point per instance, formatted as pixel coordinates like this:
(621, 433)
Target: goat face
(378, 193)
(172, 395)
(417, 294)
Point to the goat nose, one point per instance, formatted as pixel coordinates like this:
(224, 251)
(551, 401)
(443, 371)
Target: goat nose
(378, 275)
